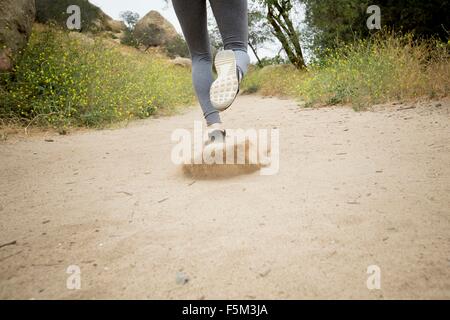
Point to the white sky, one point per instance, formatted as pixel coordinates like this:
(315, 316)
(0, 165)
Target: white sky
(113, 8)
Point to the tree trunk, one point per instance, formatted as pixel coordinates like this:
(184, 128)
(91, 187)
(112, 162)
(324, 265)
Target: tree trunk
(283, 29)
(256, 54)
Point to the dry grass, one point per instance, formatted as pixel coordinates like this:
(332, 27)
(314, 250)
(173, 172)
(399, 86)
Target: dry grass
(276, 80)
(378, 70)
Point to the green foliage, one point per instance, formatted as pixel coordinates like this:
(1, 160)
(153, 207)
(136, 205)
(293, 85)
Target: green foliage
(252, 82)
(377, 70)
(333, 23)
(67, 79)
(128, 39)
(424, 19)
(130, 19)
(259, 32)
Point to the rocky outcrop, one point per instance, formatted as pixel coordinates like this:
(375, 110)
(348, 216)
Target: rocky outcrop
(153, 30)
(182, 62)
(16, 21)
(113, 25)
(93, 19)
(103, 22)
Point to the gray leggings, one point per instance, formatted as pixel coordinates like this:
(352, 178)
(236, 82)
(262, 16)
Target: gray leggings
(232, 19)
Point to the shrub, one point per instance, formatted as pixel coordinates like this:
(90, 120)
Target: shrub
(65, 79)
(128, 39)
(377, 70)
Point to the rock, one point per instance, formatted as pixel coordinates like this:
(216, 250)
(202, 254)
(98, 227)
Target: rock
(182, 62)
(182, 278)
(264, 273)
(16, 21)
(155, 30)
(103, 22)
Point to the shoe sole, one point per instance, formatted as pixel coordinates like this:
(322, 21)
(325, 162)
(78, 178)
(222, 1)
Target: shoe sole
(225, 89)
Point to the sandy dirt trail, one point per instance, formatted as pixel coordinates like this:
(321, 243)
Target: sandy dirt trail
(354, 190)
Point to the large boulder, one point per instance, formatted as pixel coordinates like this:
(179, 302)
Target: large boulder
(113, 25)
(153, 30)
(16, 21)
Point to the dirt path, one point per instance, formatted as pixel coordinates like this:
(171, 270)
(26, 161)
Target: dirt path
(354, 190)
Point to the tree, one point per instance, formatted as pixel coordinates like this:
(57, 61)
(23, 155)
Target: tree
(423, 18)
(52, 11)
(130, 19)
(177, 47)
(333, 22)
(279, 17)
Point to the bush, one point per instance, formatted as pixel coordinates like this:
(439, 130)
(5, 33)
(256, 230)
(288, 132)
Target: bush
(377, 70)
(65, 79)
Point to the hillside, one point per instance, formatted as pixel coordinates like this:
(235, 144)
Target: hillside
(163, 30)
(92, 17)
(66, 79)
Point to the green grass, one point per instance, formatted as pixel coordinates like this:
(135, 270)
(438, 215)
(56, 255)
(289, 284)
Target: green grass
(68, 79)
(364, 73)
